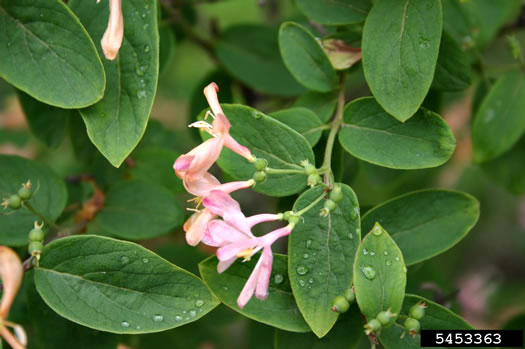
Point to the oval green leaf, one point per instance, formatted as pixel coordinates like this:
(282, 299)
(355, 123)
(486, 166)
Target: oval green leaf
(425, 223)
(321, 252)
(323, 104)
(48, 54)
(499, 121)
(453, 72)
(303, 121)
(269, 139)
(278, 310)
(305, 58)
(372, 135)
(118, 286)
(335, 12)
(401, 40)
(251, 54)
(49, 197)
(379, 274)
(116, 123)
(137, 210)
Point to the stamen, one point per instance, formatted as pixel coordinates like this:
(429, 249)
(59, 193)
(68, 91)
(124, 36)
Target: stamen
(210, 114)
(201, 124)
(246, 254)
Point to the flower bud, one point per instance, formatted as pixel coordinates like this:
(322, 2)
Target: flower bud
(340, 304)
(293, 220)
(259, 176)
(287, 215)
(310, 169)
(417, 311)
(260, 164)
(372, 326)
(112, 39)
(412, 326)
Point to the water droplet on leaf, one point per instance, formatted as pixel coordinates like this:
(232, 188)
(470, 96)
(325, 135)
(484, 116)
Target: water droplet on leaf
(368, 272)
(199, 303)
(124, 259)
(158, 318)
(306, 255)
(278, 278)
(301, 270)
(124, 324)
(145, 260)
(302, 283)
(308, 243)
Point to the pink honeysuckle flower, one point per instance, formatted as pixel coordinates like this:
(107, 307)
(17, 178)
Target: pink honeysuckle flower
(112, 39)
(195, 226)
(198, 161)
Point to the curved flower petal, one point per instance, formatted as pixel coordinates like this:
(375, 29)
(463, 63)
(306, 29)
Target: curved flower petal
(112, 39)
(233, 145)
(263, 280)
(223, 265)
(232, 250)
(222, 204)
(206, 155)
(250, 286)
(195, 226)
(11, 273)
(10, 338)
(219, 233)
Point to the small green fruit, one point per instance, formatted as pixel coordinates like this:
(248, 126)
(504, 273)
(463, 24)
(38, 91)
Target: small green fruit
(259, 176)
(417, 311)
(412, 326)
(340, 304)
(14, 202)
(330, 205)
(313, 179)
(287, 215)
(310, 169)
(372, 326)
(350, 295)
(35, 247)
(260, 164)
(293, 220)
(336, 194)
(25, 193)
(36, 234)
(385, 317)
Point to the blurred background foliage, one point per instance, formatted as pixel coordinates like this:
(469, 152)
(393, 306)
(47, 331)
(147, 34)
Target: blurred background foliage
(482, 278)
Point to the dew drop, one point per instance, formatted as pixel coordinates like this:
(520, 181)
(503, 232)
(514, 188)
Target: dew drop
(143, 15)
(146, 48)
(158, 318)
(301, 269)
(138, 327)
(372, 253)
(124, 259)
(351, 236)
(257, 115)
(306, 256)
(310, 280)
(193, 313)
(389, 263)
(140, 69)
(145, 260)
(141, 94)
(278, 278)
(365, 251)
(356, 211)
(225, 288)
(489, 115)
(385, 253)
(358, 230)
(178, 318)
(368, 272)
(377, 231)
(199, 303)
(124, 324)
(424, 42)
(145, 26)
(308, 243)
(302, 283)
(397, 259)
(404, 269)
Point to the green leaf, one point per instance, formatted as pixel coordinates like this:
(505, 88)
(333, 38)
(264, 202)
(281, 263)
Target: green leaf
(453, 72)
(137, 210)
(278, 310)
(305, 59)
(335, 12)
(48, 54)
(401, 40)
(167, 44)
(379, 274)
(370, 134)
(269, 139)
(499, 121)
(47, 123)
(323, 104)
(154, 165)
(346, 334)
(118, 286)
(509, 169)
(321, 252)
(116, 123)
(49, 197)
(251, 54)
(425, 223)
(303, 121)
(436, 317)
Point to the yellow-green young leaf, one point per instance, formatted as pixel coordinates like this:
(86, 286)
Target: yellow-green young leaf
(116, 123)
(137, 210)
(335, 12)
(269, 139)
(48, 54)
(118, 286)
(321, 252)
(251, 54)
(499, 121)
(49, 197)
(379, 274)
(436, 317)
(305, 59)
(401, 41)
(303, 121)
(346, 334)
(322, 104)
(372, 135)
(278, 310)
(425, 223)
(453, 72)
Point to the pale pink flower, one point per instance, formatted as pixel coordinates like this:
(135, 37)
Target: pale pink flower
(112, 39)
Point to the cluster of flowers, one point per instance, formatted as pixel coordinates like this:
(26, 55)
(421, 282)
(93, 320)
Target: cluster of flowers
(232, 235)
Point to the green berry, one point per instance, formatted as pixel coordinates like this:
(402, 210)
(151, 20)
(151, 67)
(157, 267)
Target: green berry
(412, 326)
(25, 193)
(293, 220)
(385, 317)
(313, 179)
(340, 304)
(330, 205)
(14, 202)
(259, 176)
(372, 326)
(287, 215)
(336, 194)
(417, 311)
(34, 247)
(36, 234)
(350, 295)
(310, 169)
(260, 164)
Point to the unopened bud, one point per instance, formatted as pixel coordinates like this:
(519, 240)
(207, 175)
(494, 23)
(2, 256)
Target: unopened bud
(372, 326)
(417, 311)
(340, 304)
(260, 164)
